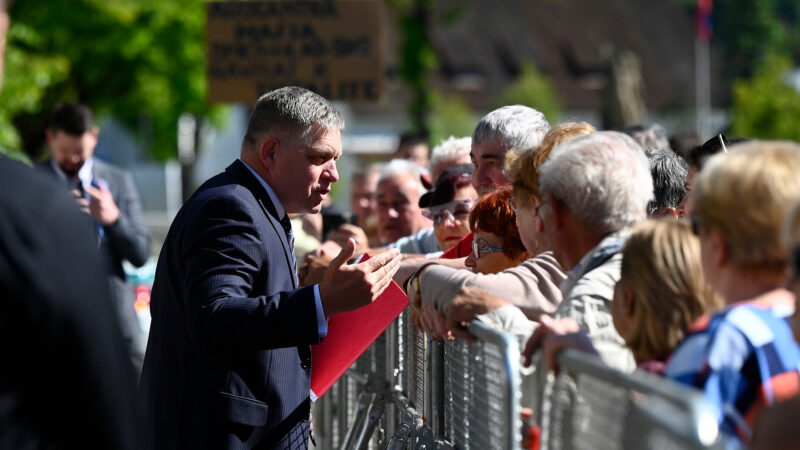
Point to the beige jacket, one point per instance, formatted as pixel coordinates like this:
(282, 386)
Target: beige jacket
(533, 286)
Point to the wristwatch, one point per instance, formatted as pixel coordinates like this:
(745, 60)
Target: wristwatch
(414, 279)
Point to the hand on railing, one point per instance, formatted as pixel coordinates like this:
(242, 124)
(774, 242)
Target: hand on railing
(433, 323)
(553, 336)
(466, 306)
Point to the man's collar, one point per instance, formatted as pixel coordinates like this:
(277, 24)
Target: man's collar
(609, 245)
(85, 172)
(279, 210)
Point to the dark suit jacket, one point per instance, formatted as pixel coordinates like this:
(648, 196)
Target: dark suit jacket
(228, 360)
(128, 239)
(66, 381)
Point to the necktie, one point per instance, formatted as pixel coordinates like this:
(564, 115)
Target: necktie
(77, 184)
(287, 228)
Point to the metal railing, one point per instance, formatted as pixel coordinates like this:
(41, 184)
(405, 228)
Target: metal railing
(481, 389)
(407, 392)
(590, 405)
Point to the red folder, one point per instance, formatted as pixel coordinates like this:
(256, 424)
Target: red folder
(349, 335)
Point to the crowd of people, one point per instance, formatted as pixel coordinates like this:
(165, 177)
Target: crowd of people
(612, 243)
(684, 265)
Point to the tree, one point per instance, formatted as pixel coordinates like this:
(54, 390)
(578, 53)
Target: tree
(765, 106)
(140, 60)
(417, 58)
(450, 116)
(749, 30)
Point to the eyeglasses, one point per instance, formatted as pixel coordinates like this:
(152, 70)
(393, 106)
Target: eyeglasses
(513, 205)
(697, 223)
(480, 247)
(457, 210)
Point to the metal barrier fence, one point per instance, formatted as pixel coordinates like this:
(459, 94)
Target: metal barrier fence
(407, 392)
(590, 405)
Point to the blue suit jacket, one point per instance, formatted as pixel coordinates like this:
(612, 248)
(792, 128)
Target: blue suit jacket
(228, 360)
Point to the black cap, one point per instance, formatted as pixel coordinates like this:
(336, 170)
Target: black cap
(444, 190)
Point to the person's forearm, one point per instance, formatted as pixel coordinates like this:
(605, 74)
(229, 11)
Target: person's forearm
(525, 287)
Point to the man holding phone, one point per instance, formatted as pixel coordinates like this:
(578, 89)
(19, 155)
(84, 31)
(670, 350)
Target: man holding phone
(108, 196)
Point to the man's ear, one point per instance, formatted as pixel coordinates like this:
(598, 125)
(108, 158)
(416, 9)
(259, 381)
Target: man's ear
(93, 133)
(267, 151)
(559, 212)
(669, 212)
(49, 136)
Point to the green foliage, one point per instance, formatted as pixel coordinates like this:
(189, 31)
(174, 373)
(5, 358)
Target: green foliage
(417, 57)
(765, 106)
(15, 154)
(450, 116)
(533, 89)
(749, 30)
(140, 60)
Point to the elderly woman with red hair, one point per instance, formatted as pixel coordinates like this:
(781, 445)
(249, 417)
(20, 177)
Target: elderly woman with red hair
(497, 245)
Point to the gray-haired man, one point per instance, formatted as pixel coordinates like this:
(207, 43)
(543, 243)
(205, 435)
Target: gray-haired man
(506, 128)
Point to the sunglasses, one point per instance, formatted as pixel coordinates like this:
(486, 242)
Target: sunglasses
(456, 210)
(480, 247)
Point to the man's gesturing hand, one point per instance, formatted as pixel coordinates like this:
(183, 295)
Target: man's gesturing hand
(345, 288)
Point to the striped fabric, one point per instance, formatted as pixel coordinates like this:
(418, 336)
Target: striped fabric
(744, 358)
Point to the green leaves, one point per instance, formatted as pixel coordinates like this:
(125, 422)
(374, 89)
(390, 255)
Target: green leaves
(141, 60)
(765, 106)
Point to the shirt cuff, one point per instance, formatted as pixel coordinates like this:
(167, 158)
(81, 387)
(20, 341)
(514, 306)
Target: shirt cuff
(322, 324)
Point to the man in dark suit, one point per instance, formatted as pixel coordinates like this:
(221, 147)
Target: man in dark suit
(66, 380)
(108, 195)
(228, 361)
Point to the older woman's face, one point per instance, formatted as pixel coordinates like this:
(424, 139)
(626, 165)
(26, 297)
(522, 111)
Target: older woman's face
(529, 224)
(491, 259)
(450, 230)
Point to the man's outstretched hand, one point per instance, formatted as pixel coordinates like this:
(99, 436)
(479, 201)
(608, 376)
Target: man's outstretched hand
(348, 287)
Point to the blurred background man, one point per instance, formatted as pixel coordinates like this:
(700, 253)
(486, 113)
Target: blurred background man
(107, 194)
